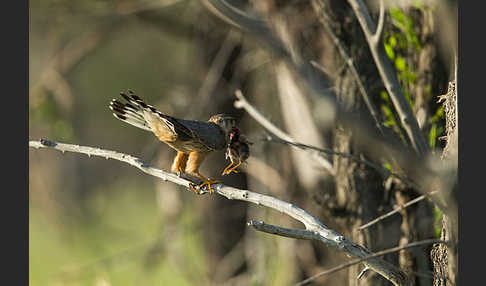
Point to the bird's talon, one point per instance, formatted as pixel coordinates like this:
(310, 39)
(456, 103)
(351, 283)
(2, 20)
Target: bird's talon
(195, 188)
(207, 184)
(227, 172)
(192, 186)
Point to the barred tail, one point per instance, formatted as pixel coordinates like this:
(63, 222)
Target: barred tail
(131, 112)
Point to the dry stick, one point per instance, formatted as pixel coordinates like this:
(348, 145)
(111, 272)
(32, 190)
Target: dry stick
(313, 226)
(409, 203)
(384, 171)
(387, 72)
(376, 254)
(108, 154)
(265, 123)
(326, 22)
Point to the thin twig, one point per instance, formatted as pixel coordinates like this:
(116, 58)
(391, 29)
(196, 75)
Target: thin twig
(282, 231)
(383, 171)
(253, 112)
(377, 36)
(409, 203)
(269, 126)
(362, 273)
(374, 255)
(324, 19)
(389, 77)
(322, 232)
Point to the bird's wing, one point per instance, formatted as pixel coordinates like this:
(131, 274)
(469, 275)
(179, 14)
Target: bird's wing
(194, 134)
(208, 133)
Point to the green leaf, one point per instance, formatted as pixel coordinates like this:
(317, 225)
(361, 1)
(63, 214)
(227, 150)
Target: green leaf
(387, 166)
(384, 96)
(432, 135)
(437, 221)
(400, 64)
(392, 41)
(389, 51)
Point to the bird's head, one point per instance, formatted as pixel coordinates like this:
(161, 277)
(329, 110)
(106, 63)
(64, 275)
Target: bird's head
(234, 134)
(224, 121)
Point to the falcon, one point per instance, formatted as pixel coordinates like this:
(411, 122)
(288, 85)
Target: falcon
(192, 139)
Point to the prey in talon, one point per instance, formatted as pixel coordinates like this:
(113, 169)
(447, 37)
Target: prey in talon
(238, 151)
(192, 139)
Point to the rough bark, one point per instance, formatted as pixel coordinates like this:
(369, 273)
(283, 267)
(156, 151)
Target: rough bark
(444, 257)
(359, 189)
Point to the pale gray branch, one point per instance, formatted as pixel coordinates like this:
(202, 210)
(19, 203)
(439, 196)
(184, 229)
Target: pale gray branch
(108, 154)
(389, 77)
(269, 126)
(282, 231)
(362, 273)
(377, 36)
(312, 225)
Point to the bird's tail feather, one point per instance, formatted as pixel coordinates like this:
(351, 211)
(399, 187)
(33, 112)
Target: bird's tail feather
(131, 112)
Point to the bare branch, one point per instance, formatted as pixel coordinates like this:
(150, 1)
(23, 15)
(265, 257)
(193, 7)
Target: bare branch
(411, 202)
(326, 23)
(107, 154)
(253, 112)
(377, 36)
(389, 77)
(374, 255)
(383, 171)
(265, 123)
(324, 234)
(282, 231)
(362, 273)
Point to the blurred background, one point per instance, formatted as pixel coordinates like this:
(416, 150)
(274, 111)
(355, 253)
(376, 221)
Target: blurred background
(101, 222)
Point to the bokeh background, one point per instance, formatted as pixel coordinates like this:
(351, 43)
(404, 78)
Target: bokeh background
(101, 222)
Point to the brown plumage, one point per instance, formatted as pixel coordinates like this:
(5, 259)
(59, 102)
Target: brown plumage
(238, 150)
(192, 139)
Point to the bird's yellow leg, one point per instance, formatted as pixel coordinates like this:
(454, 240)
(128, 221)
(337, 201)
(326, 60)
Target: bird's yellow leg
(179, 164)
(225, 171)
(233, 169)
(206, 181)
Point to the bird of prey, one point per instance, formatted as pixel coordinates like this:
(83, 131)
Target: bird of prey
(192, 139)
(238, 149)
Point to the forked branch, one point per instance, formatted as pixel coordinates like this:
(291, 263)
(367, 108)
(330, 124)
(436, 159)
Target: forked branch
(388, 74)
